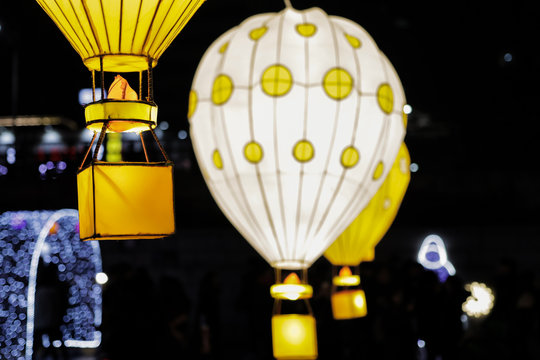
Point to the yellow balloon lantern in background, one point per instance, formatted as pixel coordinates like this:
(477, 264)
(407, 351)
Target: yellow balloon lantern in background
(122, 200)
(295, 121)
(357, 243)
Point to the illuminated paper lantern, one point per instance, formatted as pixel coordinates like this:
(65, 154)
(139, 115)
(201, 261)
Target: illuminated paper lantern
(296, 118)
(294, 336)
(357, 243)
(125, 200)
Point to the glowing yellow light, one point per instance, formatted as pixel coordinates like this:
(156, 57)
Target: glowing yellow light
(480, 302)
(294, 337)
(346, 278)
(349, 304)
(291, 289)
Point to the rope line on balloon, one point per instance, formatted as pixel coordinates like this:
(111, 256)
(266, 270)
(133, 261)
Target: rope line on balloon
(288, 4)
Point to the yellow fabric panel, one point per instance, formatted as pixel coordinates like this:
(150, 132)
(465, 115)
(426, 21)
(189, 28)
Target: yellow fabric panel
(294, 337)
(86, 203)
(132, 200)
(128, 114)
(357, 242)
(349, 304)
(124, 32)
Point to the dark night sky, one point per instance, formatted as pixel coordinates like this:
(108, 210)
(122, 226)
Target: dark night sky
(472, 131)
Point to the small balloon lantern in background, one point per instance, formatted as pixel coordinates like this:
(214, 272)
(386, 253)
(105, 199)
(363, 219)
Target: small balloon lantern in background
(123, 200)
(295, 121)
(357, 243)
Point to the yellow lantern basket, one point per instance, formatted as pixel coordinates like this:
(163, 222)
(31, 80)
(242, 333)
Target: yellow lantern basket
(125, 200)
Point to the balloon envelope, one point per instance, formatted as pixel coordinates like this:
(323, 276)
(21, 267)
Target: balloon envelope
(357, 242)
(296, 118)
(124, 32)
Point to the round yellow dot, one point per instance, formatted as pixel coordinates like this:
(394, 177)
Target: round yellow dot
(192, 104)
(385, 97)
(338, 83)
(349, 157)
(306, 29)
(303, 151)
(216, 158)
(354, 41)
(378, 171)
(276, 80)
(253, 152)
(222, 90)
(223, 48)
(257, 33)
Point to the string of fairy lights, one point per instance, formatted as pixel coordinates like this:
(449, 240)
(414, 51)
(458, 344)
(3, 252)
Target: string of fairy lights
(25, 238)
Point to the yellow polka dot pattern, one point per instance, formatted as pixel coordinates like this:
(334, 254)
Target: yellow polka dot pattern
(303, 151)
(349, 157)
(253, 152)
(306, 29)
(338, 83)
(276, 80)
(385, 98)
(258, 33)
(192, 104)
(223, 48)
(216, 158)
(378, 171)
(354, 41)
(222, 89)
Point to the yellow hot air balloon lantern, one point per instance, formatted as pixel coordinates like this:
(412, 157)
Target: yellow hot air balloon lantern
(357, 243)
(295, 120)
(122, 200)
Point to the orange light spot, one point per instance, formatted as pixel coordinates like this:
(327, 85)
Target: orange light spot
(292, 278)
(345, 271)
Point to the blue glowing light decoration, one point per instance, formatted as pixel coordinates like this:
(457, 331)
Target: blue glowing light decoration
(433, 256)
(53, 236)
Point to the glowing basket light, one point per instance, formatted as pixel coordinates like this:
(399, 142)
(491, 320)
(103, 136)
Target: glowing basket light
(294, 336)
(125, 200)
(296, 118)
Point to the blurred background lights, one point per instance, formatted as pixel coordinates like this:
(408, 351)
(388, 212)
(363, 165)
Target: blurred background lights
(10, 155)
(101, 278)
(42, 168)
(413, 167)
(7, 138)
(85, 96)
(182, 134)
(164, 125)
(3, 170)
(407, 109)
(507, 57)
(480, 302)
(51, 136)
(28, 238)
(421, 343)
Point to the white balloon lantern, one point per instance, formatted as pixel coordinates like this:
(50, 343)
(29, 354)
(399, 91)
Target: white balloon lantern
(296, 118)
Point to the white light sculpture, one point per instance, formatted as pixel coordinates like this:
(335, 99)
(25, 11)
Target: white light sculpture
(26, 236)
(432, 256)
(296, 118)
